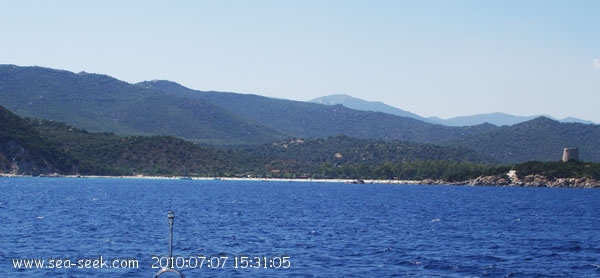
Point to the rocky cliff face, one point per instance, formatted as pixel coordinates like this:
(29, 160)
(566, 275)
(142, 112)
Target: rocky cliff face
(17, 160)
(24, 151)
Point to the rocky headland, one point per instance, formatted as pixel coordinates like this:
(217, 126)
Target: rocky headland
(527, 181)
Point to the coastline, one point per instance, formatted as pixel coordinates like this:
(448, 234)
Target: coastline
(509, 180)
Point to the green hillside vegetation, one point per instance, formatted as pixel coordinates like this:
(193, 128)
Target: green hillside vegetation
(446, 170)
(24, 151)
(559, 169)
(112, 155)
(311, 120)
(540, 139)
(341, 149)
(109, 154)
(335, 157)
(36, 147)
(100, 103)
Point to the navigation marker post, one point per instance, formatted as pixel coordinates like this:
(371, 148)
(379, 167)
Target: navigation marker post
(169, 268)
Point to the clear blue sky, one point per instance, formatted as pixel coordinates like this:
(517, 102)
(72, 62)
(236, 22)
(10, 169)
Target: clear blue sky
(434, 58)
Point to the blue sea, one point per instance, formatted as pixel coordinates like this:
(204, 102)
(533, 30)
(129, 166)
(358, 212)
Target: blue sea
(302, 229)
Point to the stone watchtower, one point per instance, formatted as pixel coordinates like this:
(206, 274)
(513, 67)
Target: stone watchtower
(570, 154)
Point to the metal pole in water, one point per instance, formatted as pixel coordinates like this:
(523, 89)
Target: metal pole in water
(169, 268)
(171, 216)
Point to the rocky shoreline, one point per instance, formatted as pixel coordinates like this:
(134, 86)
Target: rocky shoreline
(527, 181)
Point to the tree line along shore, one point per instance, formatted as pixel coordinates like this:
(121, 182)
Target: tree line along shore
(33, 147)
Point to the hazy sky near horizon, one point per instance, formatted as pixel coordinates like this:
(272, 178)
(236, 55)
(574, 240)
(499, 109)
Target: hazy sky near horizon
(433, 58)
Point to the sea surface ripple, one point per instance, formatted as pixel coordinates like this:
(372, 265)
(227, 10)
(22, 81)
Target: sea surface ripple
(326, 229)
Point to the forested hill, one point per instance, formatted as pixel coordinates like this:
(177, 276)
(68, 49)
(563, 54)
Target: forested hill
(105, 153)
(540, 139)
(306, 120)
(36, 147)
(100, 103)
(24, 151)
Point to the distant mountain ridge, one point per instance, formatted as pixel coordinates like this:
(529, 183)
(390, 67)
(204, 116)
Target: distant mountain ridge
(500, 119)
(359, 104)
(311, 120)
(98, 102)
(496, 118)
(101, 103)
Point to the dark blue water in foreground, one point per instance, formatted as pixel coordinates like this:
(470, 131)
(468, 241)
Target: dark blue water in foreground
(326, 229)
